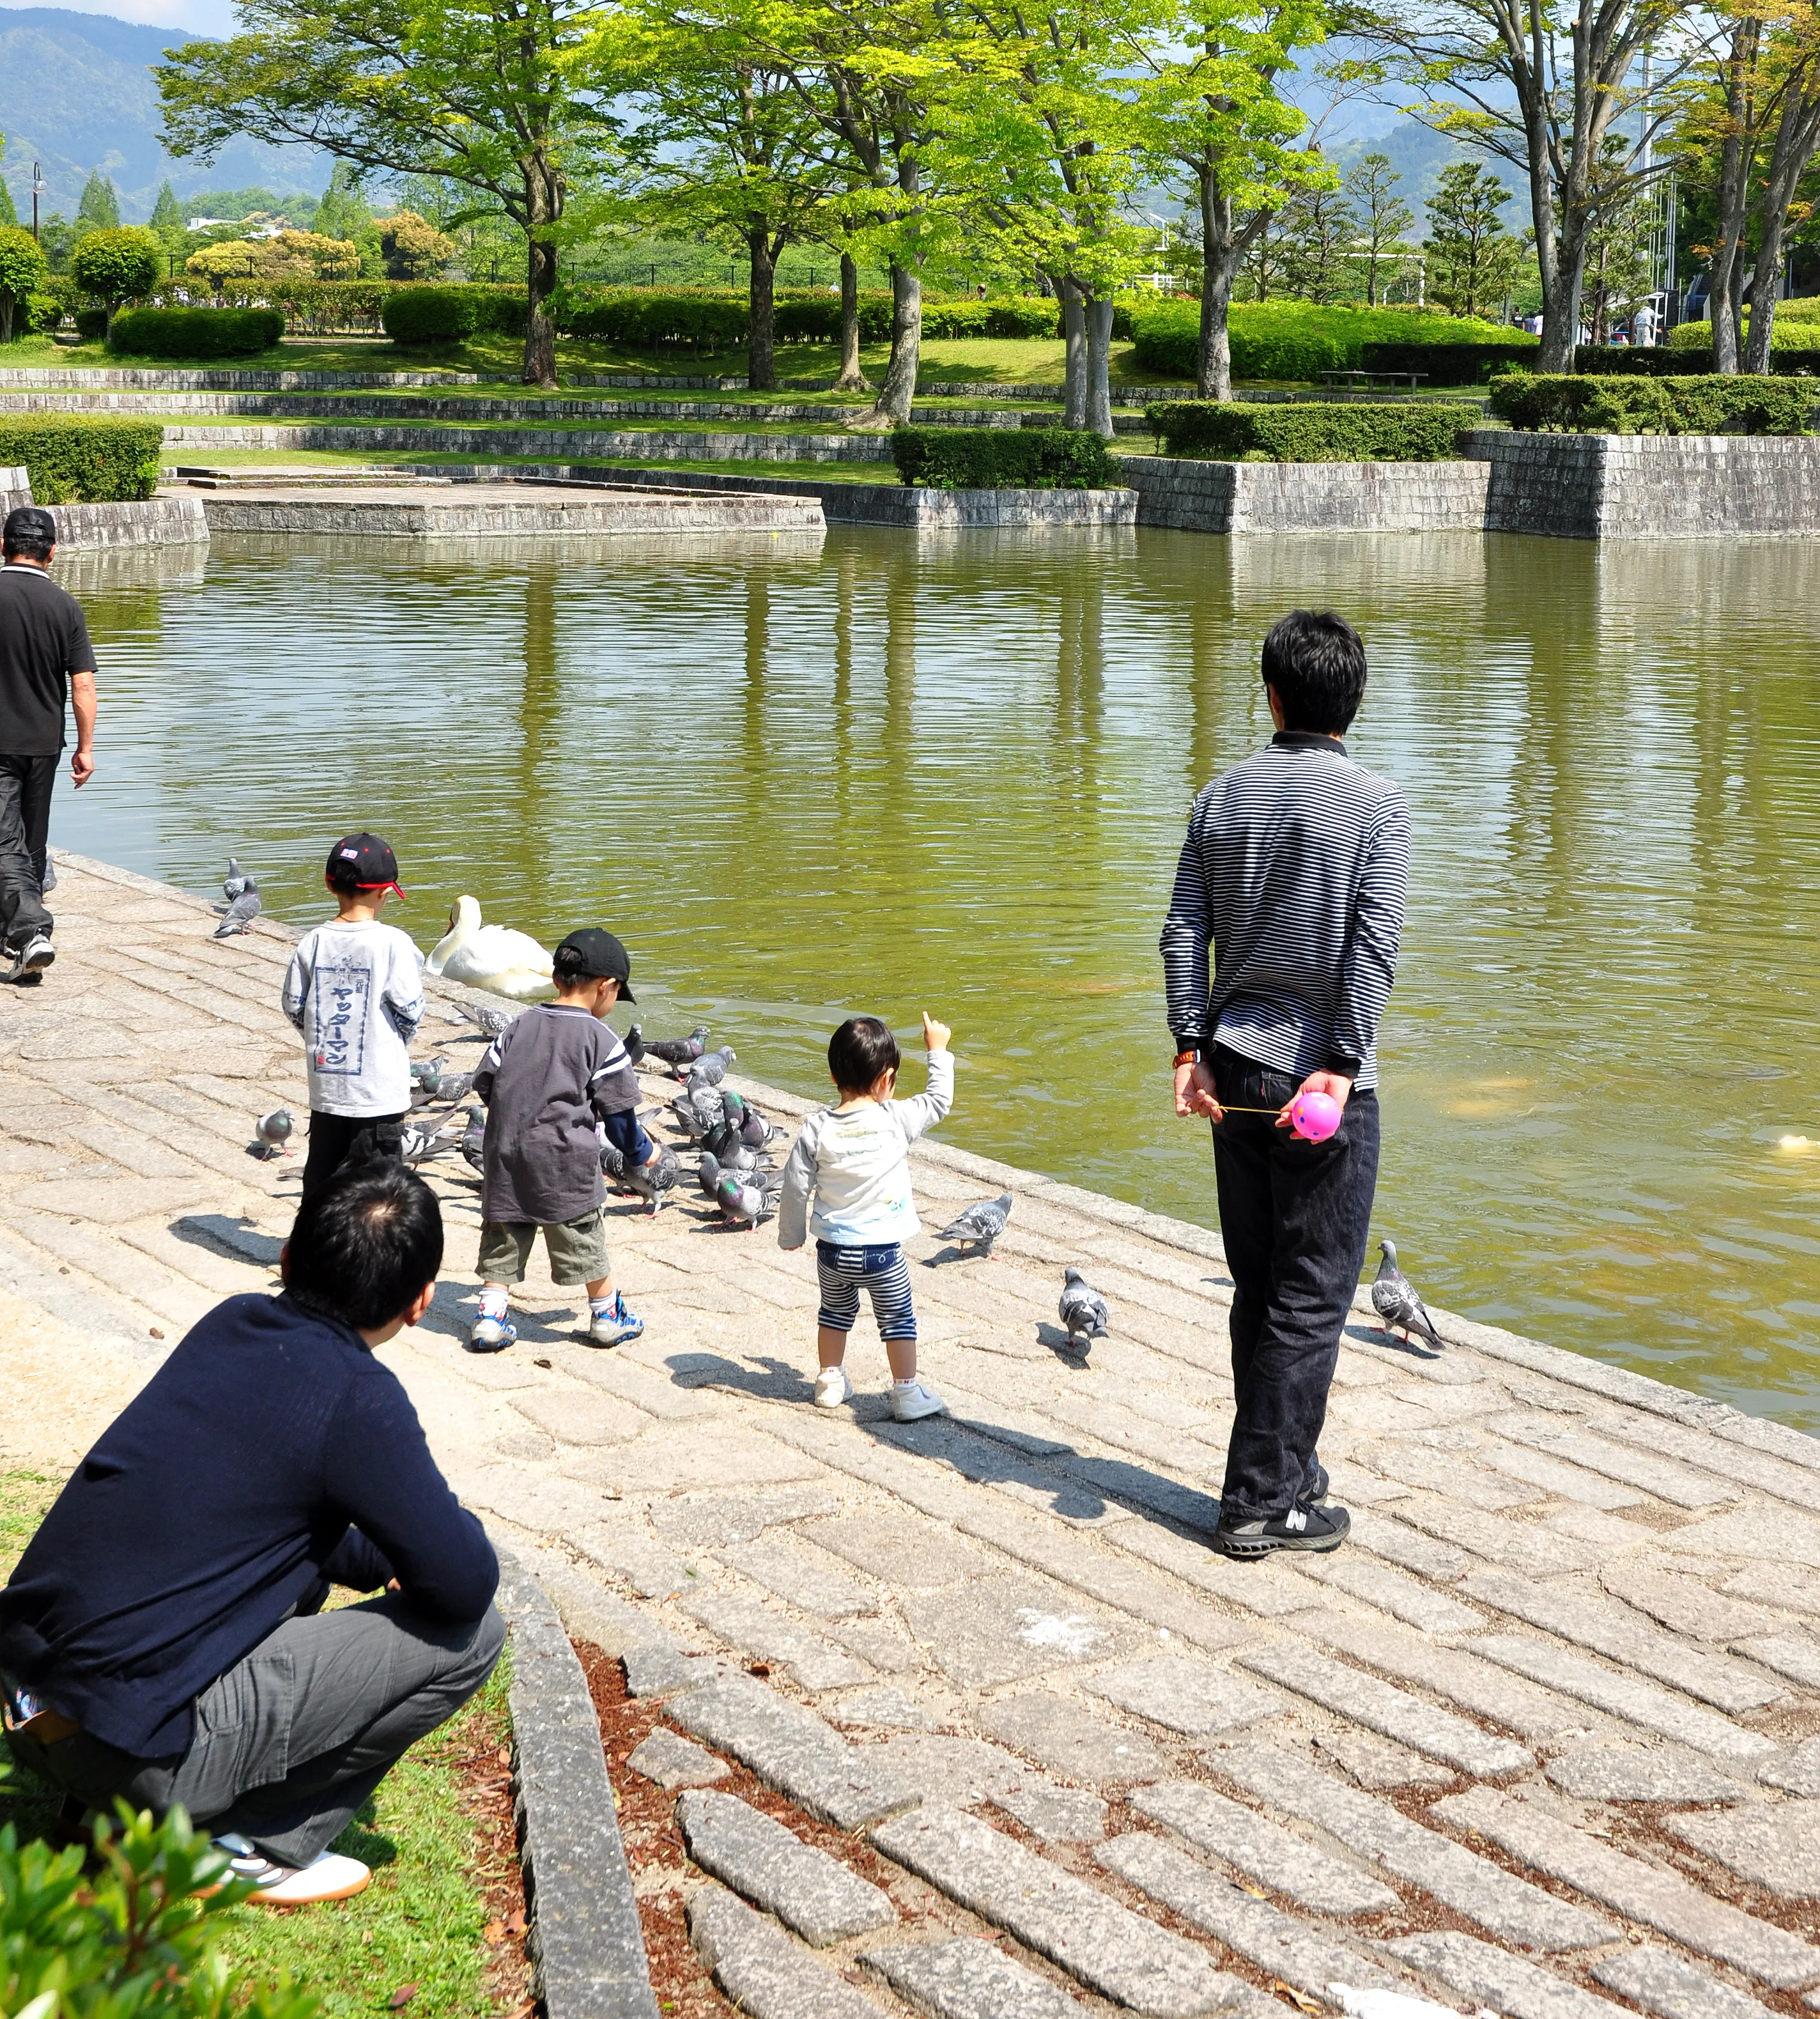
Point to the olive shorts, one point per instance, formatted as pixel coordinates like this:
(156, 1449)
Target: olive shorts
(578, 1250)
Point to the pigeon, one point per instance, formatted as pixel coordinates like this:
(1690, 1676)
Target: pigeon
(708, 1173)
(453, 1087)
(710, 1069)
(474, 1138)
(675, 1051)
(273, 1131)
(698, 1109)
(979, 1225)
(655, 1180)
(417, 1146)
(612, 1160)
(490, 1022)
(1082, 1308)
(634, 1043)
(50, 882)
(722, 1137)
(756, 1133)
(1397, 1302)
(746, 1200)
(235, 882)
(240, 914)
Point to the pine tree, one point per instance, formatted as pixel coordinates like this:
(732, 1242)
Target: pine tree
(1319, 229)
(1472, 259)
(99, 209)
(168, 224)
(1384, 216)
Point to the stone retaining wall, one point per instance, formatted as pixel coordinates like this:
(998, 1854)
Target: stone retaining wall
(669, 444)
(227, 381)
(496, 513)
(151, 522)
(1209, 497)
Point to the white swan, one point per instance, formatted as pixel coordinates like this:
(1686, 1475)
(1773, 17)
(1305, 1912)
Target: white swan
(495, 957)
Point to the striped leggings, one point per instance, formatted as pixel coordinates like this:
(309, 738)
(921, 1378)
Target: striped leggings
(887, 1277)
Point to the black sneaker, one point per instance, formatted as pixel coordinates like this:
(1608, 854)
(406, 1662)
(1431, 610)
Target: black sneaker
(1315, 1492)
(1322, 1526)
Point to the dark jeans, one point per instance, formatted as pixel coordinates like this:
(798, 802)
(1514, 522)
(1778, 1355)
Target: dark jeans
(1294, 1217)
(290, 1744)
(332, 1136)
(25, 804)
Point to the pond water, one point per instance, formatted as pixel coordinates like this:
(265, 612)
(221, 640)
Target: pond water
(802, 776)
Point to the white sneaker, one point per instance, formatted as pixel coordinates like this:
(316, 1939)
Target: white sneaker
(32, 958)
(831, 1388)
(330, 1877)
(910, 1401)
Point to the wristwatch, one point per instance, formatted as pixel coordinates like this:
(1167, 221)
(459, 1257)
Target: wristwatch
(1190, 1057)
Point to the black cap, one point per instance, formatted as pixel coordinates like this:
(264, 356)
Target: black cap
(28, 526)
(366, 861)
(593, 952)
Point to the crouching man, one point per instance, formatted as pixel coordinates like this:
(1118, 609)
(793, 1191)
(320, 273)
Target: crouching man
(160, 1638)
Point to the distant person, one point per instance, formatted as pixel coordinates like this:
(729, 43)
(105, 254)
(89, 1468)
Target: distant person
(354, 988)
(1643, 326)
(553, 1077)
(45, 661)
(1295, 871)
(853, 1161)
(162, 1639)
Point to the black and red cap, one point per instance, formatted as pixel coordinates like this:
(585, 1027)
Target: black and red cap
(593, 952)
(366, 862)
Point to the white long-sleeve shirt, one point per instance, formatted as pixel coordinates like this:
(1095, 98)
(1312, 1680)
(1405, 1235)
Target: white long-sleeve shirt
(855, 1164)
(355, 989)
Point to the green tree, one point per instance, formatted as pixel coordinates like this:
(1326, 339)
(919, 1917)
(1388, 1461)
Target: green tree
(1382, 215)
(168, 225)
(412, 247)
(482, 93)
(99, 208)
(23, 269)
(1320, 230)
(7, 214)
(1218, 119)
(117, 266)
(1472, 259)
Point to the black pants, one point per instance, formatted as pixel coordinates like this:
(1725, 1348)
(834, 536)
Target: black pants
(292, 1741)
(1294, 1217)
(25, 804)
(331, 1138)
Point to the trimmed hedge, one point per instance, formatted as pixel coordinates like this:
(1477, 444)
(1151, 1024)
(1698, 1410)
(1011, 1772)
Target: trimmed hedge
(1004, 458)
(83, 458)
(1450, 363)
(1298, 340)
(1309, 431)
(1617, 405)
(430, 315)
(1601, 361)
(719, 318)
(196, 332)
(91, 323)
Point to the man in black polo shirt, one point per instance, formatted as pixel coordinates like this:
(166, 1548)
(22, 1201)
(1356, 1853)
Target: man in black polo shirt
(45, 660)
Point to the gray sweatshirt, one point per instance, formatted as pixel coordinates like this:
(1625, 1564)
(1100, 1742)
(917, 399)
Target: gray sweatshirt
(855, 1164)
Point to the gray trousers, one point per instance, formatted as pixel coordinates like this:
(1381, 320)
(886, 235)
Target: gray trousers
(292, 1741)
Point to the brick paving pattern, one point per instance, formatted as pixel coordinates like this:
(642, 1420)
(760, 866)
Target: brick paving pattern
(1544, 1739)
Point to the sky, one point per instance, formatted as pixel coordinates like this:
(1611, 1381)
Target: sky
(201, 17)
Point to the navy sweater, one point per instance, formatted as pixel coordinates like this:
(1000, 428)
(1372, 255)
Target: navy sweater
(270, 1452)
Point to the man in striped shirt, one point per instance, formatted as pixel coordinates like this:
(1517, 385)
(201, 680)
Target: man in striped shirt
(1295, 870)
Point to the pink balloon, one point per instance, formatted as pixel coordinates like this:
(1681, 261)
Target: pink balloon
(1315, 1116)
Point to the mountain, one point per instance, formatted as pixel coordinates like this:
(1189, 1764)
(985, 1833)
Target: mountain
(76, 93)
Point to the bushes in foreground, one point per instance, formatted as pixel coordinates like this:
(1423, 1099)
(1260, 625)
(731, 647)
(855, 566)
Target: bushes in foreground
(196, 332)
(1622, 405)
(1299, 340)
(1309, 431)
(1004, 458)
(83, 458)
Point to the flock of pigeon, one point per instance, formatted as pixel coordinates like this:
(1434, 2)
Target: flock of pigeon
(732, 1138)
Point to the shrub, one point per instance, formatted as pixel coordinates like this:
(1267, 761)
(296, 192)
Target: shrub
(83, 458)
(1798, 334)
(719, 318)
(1619, 405)
(22, 271)
(1601, 361)
(137, 1940)
(196, 332)
(1309, 431)
(1450, 363)
(1298, 340)
(1004, 458)
(37, 312)
(118, 267)
(91, 323)
(429, 315)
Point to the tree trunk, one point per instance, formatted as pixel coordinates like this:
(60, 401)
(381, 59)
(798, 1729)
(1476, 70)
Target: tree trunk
(543, 207)
(1098, 320)
(6, 315)
(895, 395)
(851, 379)
(1734, 166)
(1074, 352)
(1797, 136)
(1223, 250)
(761, 354)
(1560, 301)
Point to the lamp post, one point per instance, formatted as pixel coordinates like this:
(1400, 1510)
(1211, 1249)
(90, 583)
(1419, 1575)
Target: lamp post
(38, 186)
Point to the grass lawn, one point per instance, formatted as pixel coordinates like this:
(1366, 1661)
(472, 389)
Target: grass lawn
(438, 1836)
(1003, 360)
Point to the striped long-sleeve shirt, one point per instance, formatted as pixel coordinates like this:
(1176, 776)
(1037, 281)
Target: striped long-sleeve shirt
(1295, 870)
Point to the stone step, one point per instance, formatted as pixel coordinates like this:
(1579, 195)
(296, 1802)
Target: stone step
(807, 1891)
(1102, 1944)
(762, 1970)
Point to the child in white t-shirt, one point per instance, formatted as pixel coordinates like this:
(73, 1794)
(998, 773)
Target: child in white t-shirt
(355, 989)
(854, 1161)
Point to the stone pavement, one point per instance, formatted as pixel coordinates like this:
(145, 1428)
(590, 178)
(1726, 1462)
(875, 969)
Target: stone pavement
(1544, 1739)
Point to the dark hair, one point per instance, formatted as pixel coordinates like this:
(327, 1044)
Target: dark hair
(343, 878)
(859, 1051)
(362, 1248)
(30, 531)
(1316, 662)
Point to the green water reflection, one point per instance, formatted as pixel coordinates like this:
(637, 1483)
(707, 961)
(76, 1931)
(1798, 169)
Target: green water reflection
(801, 775)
